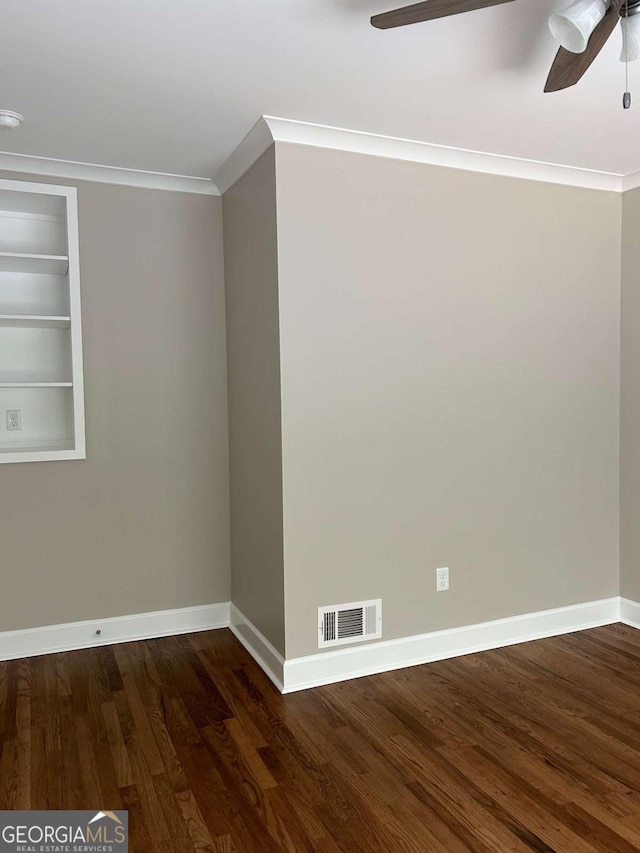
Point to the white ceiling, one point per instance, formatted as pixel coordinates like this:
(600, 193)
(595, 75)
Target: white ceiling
(174, 85)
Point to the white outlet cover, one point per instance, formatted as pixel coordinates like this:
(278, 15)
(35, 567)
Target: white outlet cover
(442, 579)
(14, 420)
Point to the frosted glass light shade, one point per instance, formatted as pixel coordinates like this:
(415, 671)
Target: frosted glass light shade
(573, 26)
(630, 38)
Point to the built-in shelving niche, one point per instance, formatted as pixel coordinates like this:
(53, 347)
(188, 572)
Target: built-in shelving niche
(40, 324)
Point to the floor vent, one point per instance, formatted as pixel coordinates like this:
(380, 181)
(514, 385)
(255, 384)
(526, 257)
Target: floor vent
(349, 623)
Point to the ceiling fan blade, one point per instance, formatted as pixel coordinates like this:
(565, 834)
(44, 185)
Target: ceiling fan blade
(569, 67)
(428, 11)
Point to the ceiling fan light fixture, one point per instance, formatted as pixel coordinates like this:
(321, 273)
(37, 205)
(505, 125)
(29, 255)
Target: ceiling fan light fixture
(631, 36)
(573, 26)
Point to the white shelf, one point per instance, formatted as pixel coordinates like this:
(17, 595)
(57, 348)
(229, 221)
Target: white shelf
(41, 373)
(38, 217)
(18, 262)
(24, 200)
(37, 447)
(36, 384)
(39, 321)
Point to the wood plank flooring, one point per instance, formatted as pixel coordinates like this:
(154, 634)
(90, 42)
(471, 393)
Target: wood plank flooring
(535, 747)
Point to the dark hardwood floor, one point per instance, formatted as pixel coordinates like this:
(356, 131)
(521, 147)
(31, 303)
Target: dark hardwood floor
(535, 747)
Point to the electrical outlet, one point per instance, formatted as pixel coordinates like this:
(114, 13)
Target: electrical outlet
(14, 420)
(442, 580)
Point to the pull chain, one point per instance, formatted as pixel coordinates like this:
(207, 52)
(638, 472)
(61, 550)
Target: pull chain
(626, 98)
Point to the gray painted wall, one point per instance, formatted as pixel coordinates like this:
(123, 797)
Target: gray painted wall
(630, 400)
(450, 391)
(253, 345)
(143, 523)
(437, 354)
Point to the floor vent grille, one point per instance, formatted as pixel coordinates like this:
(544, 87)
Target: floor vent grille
(349, 623)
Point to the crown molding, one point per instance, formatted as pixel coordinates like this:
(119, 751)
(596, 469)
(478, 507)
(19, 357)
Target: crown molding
(253, 146)
(631, 181)
(33, 165)
(270, 129)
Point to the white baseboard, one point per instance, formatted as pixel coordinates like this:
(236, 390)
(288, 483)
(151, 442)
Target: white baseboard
(343, 664)
(261, 650)
(121, 629)
(325, 667)
(630, 612)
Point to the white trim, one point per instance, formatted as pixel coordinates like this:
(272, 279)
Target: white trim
(341, 139)
(75, 311)
(54, 168)
(329, 667)
(261, 650)
(630, 612)
(119, 629)
(76, 448)
(270, 129)
(40, 189)
(631, 181)
(249, 151)
(322, 668)
(9, 456)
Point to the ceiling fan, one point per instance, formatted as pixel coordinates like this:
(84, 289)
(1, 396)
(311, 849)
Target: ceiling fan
(582, 30)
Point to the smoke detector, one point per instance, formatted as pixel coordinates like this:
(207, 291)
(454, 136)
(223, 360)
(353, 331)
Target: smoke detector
(10, 120)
